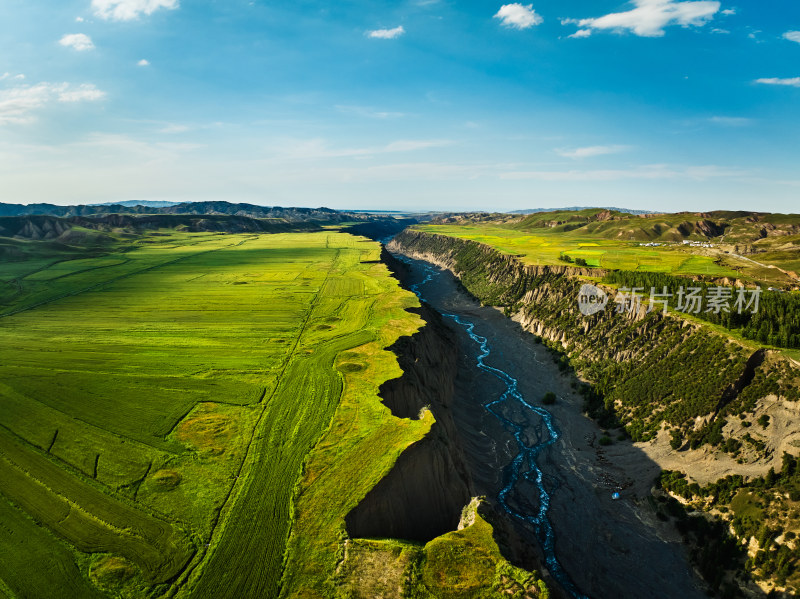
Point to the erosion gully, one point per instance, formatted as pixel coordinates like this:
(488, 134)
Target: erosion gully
(605, 548)
(524, 464)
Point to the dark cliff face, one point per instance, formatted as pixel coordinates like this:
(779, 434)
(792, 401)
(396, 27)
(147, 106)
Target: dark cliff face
(428, 362)
(424, 493)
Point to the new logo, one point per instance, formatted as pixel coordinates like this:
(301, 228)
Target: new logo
(591, 299)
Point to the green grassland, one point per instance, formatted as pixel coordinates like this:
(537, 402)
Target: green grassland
(753, 247)
(136, 383)
(193, 415)
(546, 247)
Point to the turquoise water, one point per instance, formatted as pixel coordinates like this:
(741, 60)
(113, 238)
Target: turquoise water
(524, 464)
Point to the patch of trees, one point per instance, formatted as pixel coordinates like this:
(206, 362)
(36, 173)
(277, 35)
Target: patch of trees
(713, 550)
(775, 322)
(756, 508)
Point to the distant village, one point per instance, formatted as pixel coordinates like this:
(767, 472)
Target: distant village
(694, 244)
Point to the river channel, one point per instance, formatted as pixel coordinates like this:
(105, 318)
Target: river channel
(542, 465)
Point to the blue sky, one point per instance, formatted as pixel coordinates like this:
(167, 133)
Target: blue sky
(414, 104)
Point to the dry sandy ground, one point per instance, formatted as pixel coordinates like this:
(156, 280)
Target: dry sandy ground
(609, 548)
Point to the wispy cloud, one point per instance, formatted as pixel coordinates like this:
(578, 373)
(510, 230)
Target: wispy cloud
(127, 144)
(792, 36)
(518, 16)
(791, 81)
(172, 128)
(590, 151)
(127, 10)
(650, 17)
(320, 148)
(370, 113)
(386, 34)
(730, 121)
(647, 172)
(77, 41)
(19, 104)
(728, 12)
(143, 63)
(581, 33)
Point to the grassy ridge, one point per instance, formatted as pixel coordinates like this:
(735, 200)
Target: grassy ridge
(23, 543)
(358, 449)
(89, 519)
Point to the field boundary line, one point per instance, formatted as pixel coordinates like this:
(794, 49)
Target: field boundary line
(218, 527)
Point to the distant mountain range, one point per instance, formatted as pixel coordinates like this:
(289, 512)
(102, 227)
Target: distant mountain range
(132, 203)
(69, 224)
(532, 210)
(290, 215)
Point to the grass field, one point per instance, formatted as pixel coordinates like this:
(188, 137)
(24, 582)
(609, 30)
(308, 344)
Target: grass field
(544, 247)
(159, 402)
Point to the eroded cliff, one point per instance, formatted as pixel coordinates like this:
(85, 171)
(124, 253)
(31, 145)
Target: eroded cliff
(423, 495)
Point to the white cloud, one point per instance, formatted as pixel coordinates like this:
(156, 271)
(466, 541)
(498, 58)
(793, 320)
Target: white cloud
(143, 63)
(792, 82)
(650, 17)
(518, 16)
(84, 92)
(792, 36)
(581, 33)
(591, 151)
(18, 104)
(728, 12)
(127, 10)
(79, 19)
(386, 34)
(77, 41)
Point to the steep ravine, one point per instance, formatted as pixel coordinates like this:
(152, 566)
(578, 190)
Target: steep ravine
(607, 548)
(656, 371)
(658, 374)
(424, 493)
